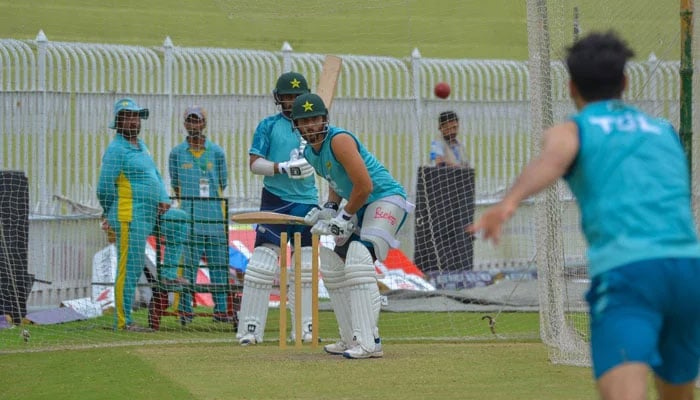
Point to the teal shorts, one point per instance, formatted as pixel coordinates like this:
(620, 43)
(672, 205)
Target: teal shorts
(647, 312)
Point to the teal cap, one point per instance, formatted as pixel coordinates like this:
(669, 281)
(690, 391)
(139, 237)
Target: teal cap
(127, 104)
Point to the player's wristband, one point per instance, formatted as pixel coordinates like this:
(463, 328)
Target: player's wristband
(332, 204)
(345, 216)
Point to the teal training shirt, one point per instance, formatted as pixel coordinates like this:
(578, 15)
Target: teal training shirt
(630, 178)
(326, 165)
(188, 170)
(276, 141)
(129, 185)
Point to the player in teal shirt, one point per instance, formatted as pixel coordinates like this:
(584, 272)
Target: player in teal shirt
(198, 176)
(326, 164)
(132, 194)
(289, 188)
(364, 229)
(662, 225)
(630, 177)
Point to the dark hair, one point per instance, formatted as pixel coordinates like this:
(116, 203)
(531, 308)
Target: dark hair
(447, 116)
(596, 65)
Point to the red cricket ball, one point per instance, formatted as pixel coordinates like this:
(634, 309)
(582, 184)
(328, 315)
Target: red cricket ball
(442, 90)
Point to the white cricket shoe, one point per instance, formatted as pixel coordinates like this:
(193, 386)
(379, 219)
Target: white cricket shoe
(248, 339)
(338, 348)
(358, 352)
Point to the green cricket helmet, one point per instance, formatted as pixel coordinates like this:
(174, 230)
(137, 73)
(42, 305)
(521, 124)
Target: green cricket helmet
(291, 83)
(308, 105)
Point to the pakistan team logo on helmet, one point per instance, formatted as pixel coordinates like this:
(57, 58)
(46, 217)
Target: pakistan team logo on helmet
(308, 105)
(291, 83)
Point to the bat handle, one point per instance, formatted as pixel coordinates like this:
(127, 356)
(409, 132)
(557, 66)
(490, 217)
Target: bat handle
(302, 146)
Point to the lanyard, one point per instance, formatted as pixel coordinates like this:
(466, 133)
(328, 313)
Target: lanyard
(203, 157)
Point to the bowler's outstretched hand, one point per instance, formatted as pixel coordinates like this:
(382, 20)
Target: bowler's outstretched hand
(490, 224)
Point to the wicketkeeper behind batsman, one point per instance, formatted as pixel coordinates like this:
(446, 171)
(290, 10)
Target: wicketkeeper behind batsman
(289, 188)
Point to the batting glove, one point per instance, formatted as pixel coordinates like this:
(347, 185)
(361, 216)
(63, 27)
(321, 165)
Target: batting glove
(329, 210)
(342, 226)
(321, 228)
(296, 169)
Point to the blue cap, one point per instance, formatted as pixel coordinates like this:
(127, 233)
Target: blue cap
(127, 104)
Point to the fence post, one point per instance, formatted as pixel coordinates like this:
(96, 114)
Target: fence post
(168, 61)
(417, 115)
(42, 43)
(651, 88)
(286, 57)
(40, 255)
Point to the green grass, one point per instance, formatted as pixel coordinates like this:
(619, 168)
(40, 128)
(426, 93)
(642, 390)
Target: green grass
(141, 366)
(494, 371)
(391, 27)
(438, 28)
(420, 327)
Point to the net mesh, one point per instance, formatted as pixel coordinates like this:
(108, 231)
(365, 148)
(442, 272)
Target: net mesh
(442, 285)
(653, 87)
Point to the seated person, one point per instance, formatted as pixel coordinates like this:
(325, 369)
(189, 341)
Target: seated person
(446, 149)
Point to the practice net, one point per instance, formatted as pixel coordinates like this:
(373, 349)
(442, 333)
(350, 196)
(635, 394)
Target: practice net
(57, 281)
(654, 84)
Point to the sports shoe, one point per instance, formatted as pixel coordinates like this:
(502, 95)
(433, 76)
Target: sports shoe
(338, 348)
(137, 328)
(358, 352)
(306, 337)
(248, 339)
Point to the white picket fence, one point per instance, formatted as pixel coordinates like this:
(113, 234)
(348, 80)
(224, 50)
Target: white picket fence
(56, 100)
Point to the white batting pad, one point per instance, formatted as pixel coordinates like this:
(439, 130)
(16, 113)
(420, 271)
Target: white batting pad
(333, 271)
(257, 285)
(306, 256)
(380, 223)
(364, 295)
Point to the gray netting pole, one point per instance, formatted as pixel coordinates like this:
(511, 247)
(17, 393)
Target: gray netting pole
(686, 72)
(549, 244)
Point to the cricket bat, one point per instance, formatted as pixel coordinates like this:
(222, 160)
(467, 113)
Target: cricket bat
(267, 217)
(329, 79)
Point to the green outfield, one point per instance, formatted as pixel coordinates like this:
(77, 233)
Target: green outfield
(395, 327)
(438, 28)
(167, 365)
(223, 371)
(170, 364)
